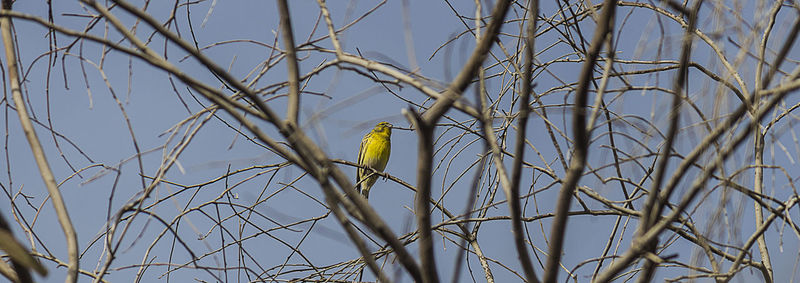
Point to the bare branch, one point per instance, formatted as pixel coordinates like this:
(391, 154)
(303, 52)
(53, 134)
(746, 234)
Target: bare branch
(581, 142)
(37, 150)
(293, 71)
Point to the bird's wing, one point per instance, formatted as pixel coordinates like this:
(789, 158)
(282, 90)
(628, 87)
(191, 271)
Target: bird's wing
(361, 152)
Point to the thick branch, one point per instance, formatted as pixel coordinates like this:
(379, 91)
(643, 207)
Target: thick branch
(581, 143)
(421, 205)
(519, 152)
(293, 71)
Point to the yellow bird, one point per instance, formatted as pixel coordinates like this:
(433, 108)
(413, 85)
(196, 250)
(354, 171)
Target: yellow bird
(373, 153)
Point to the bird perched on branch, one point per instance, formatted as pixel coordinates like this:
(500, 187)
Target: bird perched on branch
(374, 154)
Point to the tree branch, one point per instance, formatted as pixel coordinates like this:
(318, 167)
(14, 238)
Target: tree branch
(581, 143)
(293, 71)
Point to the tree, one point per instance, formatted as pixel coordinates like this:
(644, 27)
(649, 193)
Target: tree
(542, 141)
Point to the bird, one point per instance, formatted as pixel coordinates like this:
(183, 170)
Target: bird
(376, 146)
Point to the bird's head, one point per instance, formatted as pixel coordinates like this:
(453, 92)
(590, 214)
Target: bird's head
(383, 128)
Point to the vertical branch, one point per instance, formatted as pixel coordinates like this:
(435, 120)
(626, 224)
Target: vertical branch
(758, 187)
(656, 201)
(773, 14)
(516, 171)
(421, 201)
(505, 182)
(36, 148)
(759, 132)
(578, 160)
(472, 236)
(291, 63)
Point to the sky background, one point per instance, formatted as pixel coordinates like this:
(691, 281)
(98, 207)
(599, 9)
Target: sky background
(338, 108)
